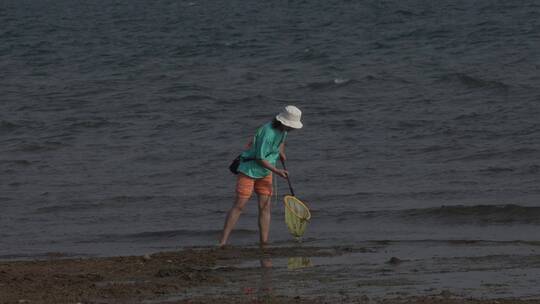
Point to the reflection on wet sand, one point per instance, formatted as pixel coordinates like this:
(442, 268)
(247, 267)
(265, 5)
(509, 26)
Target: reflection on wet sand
(264, 290)
(265, 286)
(298, 262)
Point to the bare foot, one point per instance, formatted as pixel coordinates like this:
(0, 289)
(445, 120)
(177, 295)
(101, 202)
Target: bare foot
(223, 246)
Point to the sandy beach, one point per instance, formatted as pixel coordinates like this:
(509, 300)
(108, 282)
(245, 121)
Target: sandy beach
(205, 275)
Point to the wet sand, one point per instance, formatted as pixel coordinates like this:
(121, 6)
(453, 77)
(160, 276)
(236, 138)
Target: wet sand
(199, 275)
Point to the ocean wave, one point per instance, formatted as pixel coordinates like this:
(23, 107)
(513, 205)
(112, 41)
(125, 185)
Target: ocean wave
(405, 13)
(533, 169)
(90, 124)
(164, 234)
(308, 54)
(458, 242)
(19, 162)
(405, 125)
(468, 117)
(473, 82)
(39, 147)
(8, 126)
(490, 154)
(195, 97)
(39, 256)
(484, 214)
(457, 214)
(330, 84)
(492, 170)
(437, 148)
(68, 208)
(109, 203)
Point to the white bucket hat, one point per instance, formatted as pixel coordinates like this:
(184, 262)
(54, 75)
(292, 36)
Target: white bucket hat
(290, 117)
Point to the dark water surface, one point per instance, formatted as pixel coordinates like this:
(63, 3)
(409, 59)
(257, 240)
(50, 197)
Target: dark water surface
(119, 118)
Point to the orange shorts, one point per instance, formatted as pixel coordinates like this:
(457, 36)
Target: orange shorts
(246, 184)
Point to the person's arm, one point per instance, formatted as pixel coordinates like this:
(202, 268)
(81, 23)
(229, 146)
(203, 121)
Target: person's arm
(282, 152)
(267, 165)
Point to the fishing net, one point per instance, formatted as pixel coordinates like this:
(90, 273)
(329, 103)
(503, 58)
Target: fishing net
(297, 216)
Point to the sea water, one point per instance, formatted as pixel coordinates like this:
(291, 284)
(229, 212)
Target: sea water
(119, 119)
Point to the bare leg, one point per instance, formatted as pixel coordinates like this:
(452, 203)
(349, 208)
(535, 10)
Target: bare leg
(264, 218)
(232, 218)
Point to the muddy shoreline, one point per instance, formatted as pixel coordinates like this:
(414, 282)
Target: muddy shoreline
(180, 277)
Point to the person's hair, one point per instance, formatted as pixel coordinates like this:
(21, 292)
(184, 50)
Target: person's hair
(276, 124)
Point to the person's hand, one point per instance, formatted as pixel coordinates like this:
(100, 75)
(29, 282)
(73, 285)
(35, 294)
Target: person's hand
(282, 173)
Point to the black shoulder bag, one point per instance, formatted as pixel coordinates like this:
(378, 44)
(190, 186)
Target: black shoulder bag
(233, 167)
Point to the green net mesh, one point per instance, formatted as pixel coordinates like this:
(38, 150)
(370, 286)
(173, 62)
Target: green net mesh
(297, 216)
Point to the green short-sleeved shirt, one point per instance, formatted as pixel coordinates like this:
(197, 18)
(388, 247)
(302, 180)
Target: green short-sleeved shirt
(265, 146)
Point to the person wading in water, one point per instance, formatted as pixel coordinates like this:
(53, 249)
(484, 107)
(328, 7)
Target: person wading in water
(255, 170)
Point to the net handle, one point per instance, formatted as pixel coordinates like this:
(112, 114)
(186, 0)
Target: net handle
(288, 179)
